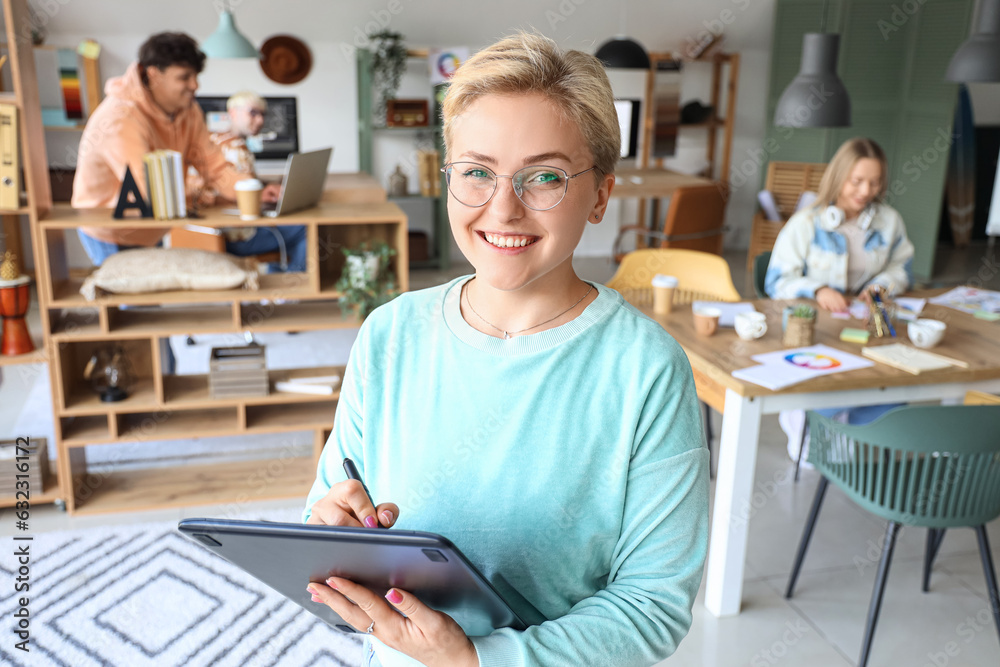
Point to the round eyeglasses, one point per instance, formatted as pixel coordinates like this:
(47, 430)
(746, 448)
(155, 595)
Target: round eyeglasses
(537, 186)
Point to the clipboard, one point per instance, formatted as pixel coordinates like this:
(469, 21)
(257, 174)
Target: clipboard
(288, 556)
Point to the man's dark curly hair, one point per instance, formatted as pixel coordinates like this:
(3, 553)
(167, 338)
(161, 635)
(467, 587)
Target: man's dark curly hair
(170, 48)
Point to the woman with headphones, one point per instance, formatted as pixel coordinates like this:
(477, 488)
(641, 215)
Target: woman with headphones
(846, 242)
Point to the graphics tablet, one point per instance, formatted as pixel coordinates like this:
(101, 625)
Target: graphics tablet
(288, 556)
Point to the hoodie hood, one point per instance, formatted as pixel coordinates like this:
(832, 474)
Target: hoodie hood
(129, 88)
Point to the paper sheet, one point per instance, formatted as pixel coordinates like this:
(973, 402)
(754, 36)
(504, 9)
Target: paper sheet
(728, 308)
(970, 299)
(784, 368)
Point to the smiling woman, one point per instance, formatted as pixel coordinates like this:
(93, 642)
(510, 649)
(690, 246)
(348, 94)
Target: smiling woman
(560, 444)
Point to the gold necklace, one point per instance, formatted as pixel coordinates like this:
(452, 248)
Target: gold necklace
(506, 334)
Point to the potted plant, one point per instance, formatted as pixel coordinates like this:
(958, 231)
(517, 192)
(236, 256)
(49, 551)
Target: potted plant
(388, 64)
(800, 326)
(367, 280)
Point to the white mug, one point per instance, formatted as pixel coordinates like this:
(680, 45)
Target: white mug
(926, 333)
(751, 325)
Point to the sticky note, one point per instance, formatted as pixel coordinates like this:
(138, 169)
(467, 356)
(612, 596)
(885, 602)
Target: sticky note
(987, 315)
(88, 48)
(850, 335)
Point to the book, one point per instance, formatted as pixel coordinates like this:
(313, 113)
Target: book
(305, 388)
(10, 169)
(910, 359)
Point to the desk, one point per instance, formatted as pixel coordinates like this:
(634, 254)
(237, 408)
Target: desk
(743, 404)
(653, 182)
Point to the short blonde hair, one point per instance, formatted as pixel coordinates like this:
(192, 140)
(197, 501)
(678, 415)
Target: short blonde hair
(531, 63)
(246, 98)
(841, 165)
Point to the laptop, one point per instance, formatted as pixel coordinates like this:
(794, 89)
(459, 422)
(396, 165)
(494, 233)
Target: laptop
(301, 185)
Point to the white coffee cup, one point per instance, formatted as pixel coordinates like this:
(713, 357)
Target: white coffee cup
(926, 333)
(248, 195)
(751, 325)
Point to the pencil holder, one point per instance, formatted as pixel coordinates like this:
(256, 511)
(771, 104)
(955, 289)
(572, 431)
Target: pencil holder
(800, 327)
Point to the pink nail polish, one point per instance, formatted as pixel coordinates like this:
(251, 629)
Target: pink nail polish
(316, 598)
(393, 596)
(387, 515)
(370, 522)
(331, 583)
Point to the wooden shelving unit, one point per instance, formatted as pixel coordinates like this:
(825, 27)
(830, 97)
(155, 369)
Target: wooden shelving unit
(37, 199)
(163, 407)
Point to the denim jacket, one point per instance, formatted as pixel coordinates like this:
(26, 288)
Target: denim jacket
(810, 253)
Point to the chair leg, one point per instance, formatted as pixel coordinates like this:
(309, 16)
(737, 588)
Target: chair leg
(876, 604)
(991, 575)
(708, 438)
(802, 445)
(935, 536)
(800, 555)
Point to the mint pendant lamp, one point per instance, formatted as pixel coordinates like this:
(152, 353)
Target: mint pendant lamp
(227, 41)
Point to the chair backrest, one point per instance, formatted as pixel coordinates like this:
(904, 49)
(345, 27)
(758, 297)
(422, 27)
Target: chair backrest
(973, 397)
(760, 263)
(700, 275)
(933, 466)
(697, 215)
(788, 180)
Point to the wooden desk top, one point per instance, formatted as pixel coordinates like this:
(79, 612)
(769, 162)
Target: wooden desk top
(327, 213)
(716, 357)
(652, 182)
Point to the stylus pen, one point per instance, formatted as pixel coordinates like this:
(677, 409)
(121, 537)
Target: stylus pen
(352, 473)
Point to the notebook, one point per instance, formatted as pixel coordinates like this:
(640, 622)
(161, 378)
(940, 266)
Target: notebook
(910, 359)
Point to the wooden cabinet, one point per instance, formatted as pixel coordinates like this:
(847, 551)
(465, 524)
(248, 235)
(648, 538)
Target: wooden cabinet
(164, 407)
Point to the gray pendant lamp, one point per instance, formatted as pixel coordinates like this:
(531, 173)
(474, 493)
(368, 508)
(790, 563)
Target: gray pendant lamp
(623, 52)
(978, 58)
(816, 97)
(227, 41)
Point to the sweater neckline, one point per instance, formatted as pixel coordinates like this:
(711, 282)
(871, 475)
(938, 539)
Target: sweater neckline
(607, 300)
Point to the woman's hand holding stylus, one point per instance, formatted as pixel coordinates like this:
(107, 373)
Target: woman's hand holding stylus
(347, 504)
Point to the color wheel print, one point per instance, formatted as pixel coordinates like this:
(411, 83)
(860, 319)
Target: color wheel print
(812, 361)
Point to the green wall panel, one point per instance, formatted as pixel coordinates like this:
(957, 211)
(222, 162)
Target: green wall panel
(892, 63)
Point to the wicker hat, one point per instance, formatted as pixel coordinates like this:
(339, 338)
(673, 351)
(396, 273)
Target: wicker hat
(285, 59)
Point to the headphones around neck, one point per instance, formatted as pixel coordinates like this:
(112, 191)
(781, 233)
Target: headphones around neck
(834, 216)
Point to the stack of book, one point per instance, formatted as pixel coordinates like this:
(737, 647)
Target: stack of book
(238, 371)
(37, 468)
(165, 184)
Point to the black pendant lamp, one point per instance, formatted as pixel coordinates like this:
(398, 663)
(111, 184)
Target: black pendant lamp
(623, 52)
(816, 97)
(978, 58)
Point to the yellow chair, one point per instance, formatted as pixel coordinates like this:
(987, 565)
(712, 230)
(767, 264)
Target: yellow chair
(701, 276)
(973, 397)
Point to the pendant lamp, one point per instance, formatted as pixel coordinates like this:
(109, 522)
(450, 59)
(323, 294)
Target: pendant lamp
(978, 58)
(816, 97)
(227, 41)
(623, 52)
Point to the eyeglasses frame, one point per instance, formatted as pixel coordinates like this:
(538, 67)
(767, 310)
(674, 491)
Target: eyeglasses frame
(497, 177)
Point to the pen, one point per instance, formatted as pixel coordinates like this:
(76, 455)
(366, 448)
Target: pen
(352, 473)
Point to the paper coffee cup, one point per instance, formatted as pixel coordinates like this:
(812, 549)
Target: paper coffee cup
(248, 193)
(663, 293)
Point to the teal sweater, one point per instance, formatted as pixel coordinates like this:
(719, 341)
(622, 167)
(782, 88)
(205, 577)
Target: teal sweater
(568, 465)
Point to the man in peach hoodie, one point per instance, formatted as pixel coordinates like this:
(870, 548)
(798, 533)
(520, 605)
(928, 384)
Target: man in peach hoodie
(152, 107)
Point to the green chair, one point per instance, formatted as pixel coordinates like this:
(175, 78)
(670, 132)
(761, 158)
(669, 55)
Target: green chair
(760, 263)
(935, 467)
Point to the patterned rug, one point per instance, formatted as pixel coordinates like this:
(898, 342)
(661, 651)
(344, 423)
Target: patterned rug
(142, 595)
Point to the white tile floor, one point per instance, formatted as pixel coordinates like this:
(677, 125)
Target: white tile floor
(823, 624)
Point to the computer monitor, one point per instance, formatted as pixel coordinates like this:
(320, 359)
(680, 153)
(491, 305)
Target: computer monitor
(628, 121)
(281, 128)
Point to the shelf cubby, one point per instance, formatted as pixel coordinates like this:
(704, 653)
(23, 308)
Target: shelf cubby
(180, 318)
(298, 316)
(301, 415)
(85, 429)
(69, 323)
(174, 424)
